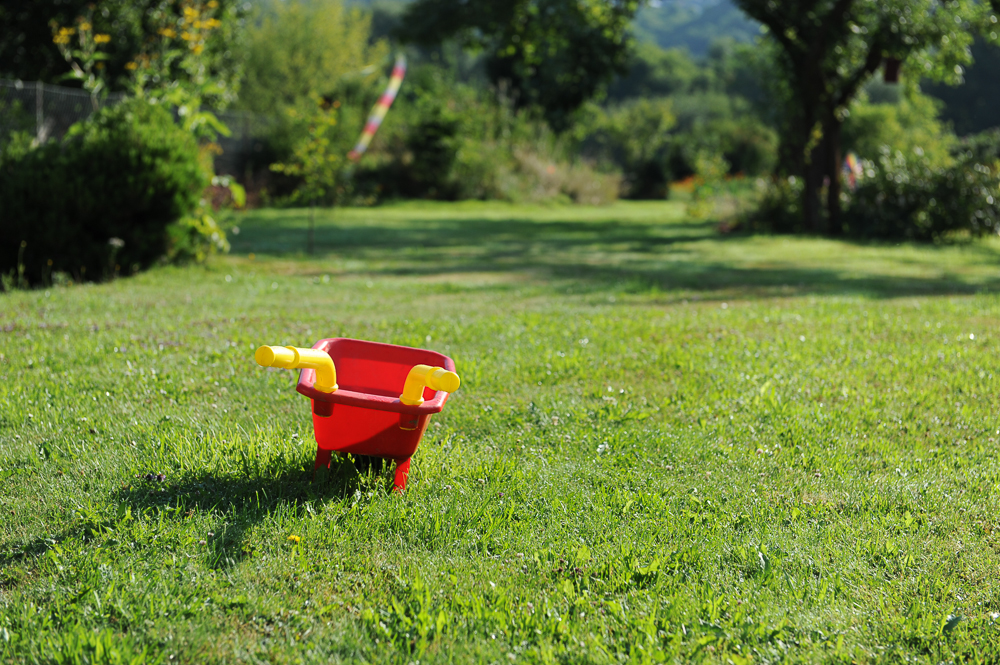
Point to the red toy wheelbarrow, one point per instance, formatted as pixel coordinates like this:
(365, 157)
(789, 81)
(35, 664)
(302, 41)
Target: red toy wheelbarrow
(367, 415)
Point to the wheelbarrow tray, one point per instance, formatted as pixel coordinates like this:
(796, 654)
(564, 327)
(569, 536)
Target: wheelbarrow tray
(364, 415)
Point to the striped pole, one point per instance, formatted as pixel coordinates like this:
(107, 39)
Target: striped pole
(380, 109)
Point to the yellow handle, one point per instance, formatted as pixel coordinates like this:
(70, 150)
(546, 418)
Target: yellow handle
(291, 357)
(435, 378)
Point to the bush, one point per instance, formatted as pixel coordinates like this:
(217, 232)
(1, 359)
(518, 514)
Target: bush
(97, 203)
(779, 209)
(446, 140)
(908, 197)
(634, 137)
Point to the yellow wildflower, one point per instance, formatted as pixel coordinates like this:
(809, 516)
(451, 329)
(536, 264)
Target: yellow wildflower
(187, 36)
(84, 26)
(212, 4)
(62, 37)
(130, 66)
(190, 13)
(102, 39)
(168, 32)
(213, 23)
(197, 49)
(294, 539)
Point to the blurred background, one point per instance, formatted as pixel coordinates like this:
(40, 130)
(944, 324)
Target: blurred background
(258, 103)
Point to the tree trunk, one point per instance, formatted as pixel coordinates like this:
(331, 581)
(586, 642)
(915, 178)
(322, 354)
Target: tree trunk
(815, 171)
(831, 137)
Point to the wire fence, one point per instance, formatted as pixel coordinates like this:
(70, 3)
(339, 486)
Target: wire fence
(47, 112)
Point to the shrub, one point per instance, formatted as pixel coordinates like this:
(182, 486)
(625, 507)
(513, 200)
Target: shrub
(779, 208)
(908, 197)
(446, 140)
(634, 137)
(97, 203)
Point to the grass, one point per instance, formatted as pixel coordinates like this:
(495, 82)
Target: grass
(669, 445)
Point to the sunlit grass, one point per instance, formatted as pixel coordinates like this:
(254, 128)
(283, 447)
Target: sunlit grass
(668, 445)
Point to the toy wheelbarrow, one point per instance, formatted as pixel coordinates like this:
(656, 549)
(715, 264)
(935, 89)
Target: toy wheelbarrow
(368, 415)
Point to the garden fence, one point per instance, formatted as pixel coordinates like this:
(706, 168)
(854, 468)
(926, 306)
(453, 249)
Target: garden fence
(47, 111)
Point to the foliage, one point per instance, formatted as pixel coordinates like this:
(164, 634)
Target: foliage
(317, 160)
(174, 67)
(827, 49)
(779, 207)
(635, 137)
(27, 51)
(309, 100)
(983, 148)
(971, 106)
(656, 72)
(909, 196)
(707, 448)
(448, 140)
(61, 214)
(908, 124)
(554, 54)
(301, 49)
(86, 60)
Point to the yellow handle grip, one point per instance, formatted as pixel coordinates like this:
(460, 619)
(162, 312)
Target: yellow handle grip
(435, 378)
(291, 357)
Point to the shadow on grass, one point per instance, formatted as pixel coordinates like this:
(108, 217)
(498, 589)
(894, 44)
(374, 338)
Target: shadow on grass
(243, 502)
(239, 502)
(629, 256)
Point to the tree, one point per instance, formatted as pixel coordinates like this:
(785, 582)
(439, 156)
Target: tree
(826, 50)
(300, 49)
(553, 54)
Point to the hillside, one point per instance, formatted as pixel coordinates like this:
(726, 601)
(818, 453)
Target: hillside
(693, 24)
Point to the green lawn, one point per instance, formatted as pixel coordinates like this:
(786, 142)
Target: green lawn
(669, 445)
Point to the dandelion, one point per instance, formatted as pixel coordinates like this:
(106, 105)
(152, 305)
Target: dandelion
(187, 36)
(170, 33)
(130, 66)
(85, 26)
(102, 39)
(294, 539)
(198, 48)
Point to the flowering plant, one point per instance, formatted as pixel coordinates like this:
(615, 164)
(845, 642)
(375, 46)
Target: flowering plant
(86, 60)
(173, 68)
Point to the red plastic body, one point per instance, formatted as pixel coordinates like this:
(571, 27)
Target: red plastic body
(364, 415)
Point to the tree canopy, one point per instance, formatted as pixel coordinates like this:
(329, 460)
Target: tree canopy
(553, 54)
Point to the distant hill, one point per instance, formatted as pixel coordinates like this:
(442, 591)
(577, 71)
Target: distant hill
(693, 24)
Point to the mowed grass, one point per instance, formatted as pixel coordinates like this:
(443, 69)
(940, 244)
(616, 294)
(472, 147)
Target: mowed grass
(669, 445)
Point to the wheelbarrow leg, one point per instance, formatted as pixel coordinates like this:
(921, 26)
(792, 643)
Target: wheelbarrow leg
(402, 471)
(322, 458)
